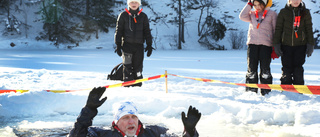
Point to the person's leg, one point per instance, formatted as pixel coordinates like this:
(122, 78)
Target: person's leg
(299, 60)
(127, 67)
(138, 64)
(265, 72)
(287, 64)
(252, 62)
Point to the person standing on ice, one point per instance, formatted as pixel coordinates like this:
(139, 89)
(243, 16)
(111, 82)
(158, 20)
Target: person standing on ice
(132, 31)
(293, 41)
(126, 121)
(259, 41)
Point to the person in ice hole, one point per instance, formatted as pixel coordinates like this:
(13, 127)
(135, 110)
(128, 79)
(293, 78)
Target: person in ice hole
(126, 121)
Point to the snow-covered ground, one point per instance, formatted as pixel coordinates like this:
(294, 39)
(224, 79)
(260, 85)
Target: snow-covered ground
(227, 111)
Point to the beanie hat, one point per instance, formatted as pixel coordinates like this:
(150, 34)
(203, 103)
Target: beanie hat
(139, 1)
(264, 1)
(302, 3)
(125, 109)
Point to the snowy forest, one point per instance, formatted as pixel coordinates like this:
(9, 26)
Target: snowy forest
(61, 21)
(210, 24)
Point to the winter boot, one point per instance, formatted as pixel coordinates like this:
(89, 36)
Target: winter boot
(127, 73)
(286, 79)
(138, 75)
(252, 78)
(265, 78)
(298, 78)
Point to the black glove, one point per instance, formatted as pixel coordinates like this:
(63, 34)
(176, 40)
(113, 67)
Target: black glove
(119, 50)
(191, 120)
(94, 101)
(277, 50)
(309, 50)
(149, 48)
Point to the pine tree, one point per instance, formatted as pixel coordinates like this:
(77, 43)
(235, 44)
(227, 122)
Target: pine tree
(74, 21)
(9, 6)
(98, 16)
(52, 16)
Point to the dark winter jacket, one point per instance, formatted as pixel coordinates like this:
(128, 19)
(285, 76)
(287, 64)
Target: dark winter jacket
(129, 32)
(84, 121)
(285, 34)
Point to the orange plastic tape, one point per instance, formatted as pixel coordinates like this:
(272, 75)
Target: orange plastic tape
(305, 89)
(108, 86)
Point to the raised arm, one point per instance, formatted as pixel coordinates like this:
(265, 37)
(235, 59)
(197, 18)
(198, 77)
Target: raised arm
(245, 12)
(190, 122)
(87, 113)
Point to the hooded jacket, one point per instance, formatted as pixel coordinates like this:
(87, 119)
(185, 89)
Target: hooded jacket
(264, 34)
(82, 128)
(285, 34)
(130, 32)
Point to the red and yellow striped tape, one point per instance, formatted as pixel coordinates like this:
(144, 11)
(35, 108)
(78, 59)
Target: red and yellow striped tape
(128, 83)
(305, 89)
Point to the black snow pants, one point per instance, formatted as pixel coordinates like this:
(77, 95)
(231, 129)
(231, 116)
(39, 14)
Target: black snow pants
(133, 56)
(292, 64)
(259, 54)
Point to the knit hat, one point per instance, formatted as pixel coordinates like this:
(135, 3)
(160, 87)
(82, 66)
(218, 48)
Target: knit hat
(139, 1)
(264, 1)
(289, 1)
(125, 109)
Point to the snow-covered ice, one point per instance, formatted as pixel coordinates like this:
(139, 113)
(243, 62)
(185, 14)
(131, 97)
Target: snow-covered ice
(226, 109)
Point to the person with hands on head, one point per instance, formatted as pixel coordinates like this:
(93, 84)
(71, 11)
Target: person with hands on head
(126, 121)
(132, 30)
(260, 35)
(293, 40)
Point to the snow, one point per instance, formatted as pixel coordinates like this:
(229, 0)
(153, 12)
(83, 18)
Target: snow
(227, 110)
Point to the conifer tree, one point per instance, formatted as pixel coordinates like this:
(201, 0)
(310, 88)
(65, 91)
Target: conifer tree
(98, 16)
(74, 21)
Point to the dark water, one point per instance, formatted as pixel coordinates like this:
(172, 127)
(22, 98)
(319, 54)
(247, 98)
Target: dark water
(57, 132)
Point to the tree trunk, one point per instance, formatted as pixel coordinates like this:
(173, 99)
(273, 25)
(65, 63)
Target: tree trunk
(8, 10)
(87, 7)
(199, 22)
(56, 22)
(97, 34)
(179, 41)
(26, 19)
(182, 31)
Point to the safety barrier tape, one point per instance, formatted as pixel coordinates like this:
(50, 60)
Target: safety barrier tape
(305, 89)
(128, 83)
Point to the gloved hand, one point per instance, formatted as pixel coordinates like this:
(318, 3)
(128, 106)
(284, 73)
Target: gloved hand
(277, 50)
(250, 3)
(119, 50)
(191, 120)
(149, 48)
(94, 101)
(309, 50)
(273, 54)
